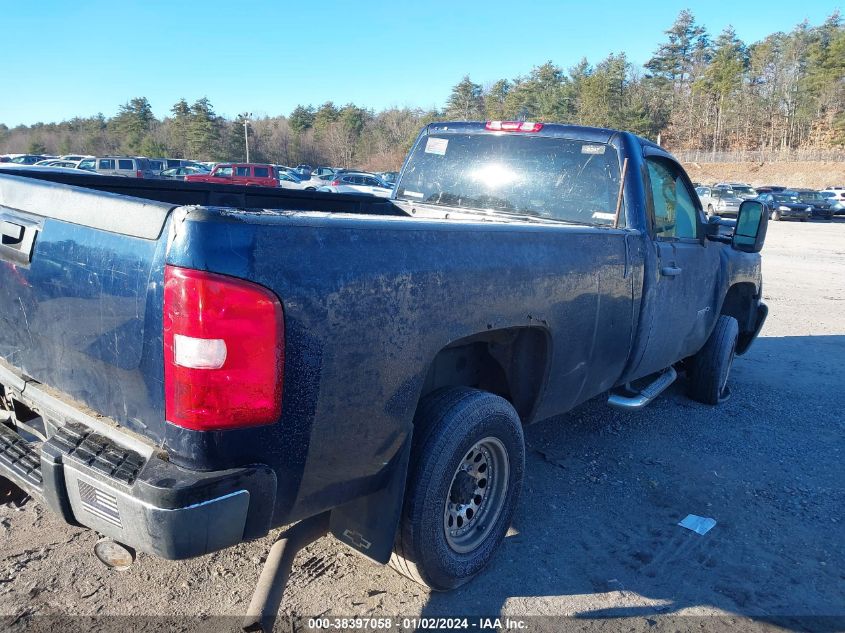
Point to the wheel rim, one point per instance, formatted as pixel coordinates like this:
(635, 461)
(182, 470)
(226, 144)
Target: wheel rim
(476, 495)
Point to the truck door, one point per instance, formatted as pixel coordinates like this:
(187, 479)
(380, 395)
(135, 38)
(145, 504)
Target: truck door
(683, 304)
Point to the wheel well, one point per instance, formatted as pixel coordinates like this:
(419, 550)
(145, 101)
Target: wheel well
(740, 304)
(511, 363)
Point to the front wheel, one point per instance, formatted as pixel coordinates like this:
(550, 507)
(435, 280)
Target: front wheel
(709, 369)
(467, 462)
(776, 216)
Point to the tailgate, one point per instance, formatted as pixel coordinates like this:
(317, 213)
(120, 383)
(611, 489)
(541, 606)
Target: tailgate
(80, 296)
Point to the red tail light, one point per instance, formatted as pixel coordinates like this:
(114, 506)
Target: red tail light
(224, 351)
(139, 174)
(513, 126)
(335, 183)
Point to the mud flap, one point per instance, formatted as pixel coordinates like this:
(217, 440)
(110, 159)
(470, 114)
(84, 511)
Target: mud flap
(368, 524)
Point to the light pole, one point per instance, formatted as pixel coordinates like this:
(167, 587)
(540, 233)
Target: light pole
(245, 116)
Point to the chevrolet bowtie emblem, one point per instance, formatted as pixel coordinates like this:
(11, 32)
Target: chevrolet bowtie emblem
(356, 539)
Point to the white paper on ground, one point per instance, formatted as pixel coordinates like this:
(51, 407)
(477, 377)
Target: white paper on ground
(699, 525)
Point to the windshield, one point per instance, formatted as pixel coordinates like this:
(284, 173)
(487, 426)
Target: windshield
(811, 195)
(784, 197)
(562, 179)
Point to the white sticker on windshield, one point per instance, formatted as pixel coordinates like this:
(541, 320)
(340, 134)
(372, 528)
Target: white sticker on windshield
(592, 149)
(436, 146)
(414, 194)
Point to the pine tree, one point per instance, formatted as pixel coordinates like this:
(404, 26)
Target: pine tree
(466, 102)
(133, 122)
(179, 127)
(494, 100)
(301, 118)
(723, 79)
(204, 131)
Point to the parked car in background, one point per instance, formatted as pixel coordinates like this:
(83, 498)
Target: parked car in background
(312, 182)
(837, 204)
(770, 189)
(126, 166)
(289, 180)
(27, 159)
(304, 171)
(158, 165)
(719, 201)
(55, 162)
(358, 182)
(250, 174)
(324, 171)
(35, 169)
(75, 157)
(180, 173)
(741, 190)
(838, 194)
(388, 176)
(785, 205)
(821, 206)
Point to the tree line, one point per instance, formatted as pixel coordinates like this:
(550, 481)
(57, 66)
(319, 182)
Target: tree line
(696, 92)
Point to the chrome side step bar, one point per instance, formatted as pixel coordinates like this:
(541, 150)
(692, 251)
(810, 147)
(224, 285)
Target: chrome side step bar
(646, 395)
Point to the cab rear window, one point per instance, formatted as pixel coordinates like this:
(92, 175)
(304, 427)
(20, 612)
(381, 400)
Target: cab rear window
(547, 177)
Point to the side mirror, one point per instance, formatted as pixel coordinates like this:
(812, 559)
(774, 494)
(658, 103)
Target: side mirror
(752, 221)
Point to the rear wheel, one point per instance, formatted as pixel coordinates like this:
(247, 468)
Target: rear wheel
(464, 479)
(709, 369)
(776, 215)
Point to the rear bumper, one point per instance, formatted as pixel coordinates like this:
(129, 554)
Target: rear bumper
(108, 483)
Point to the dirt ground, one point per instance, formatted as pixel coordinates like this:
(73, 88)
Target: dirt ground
(596, 533)
(810, 174)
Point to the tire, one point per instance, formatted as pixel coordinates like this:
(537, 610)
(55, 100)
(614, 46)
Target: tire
(459, 435)
(776, 216)
(709, 210)
(709, 369)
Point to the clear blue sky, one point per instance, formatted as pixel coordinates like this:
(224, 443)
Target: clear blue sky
(62, 59)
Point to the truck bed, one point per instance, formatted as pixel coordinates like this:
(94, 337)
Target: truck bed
(213, 194)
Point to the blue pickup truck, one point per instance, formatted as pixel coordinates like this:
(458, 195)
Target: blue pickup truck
(185, 366)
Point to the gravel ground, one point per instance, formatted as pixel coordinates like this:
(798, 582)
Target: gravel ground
(595, 535)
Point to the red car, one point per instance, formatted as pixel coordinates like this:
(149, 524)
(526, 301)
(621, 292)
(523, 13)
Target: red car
(254, 174)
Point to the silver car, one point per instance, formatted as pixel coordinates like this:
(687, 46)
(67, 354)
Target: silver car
(127, 166)
(741, 189)
(719, 201)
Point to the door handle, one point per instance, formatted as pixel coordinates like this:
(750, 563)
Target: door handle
(16, 241)
(670, 271)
